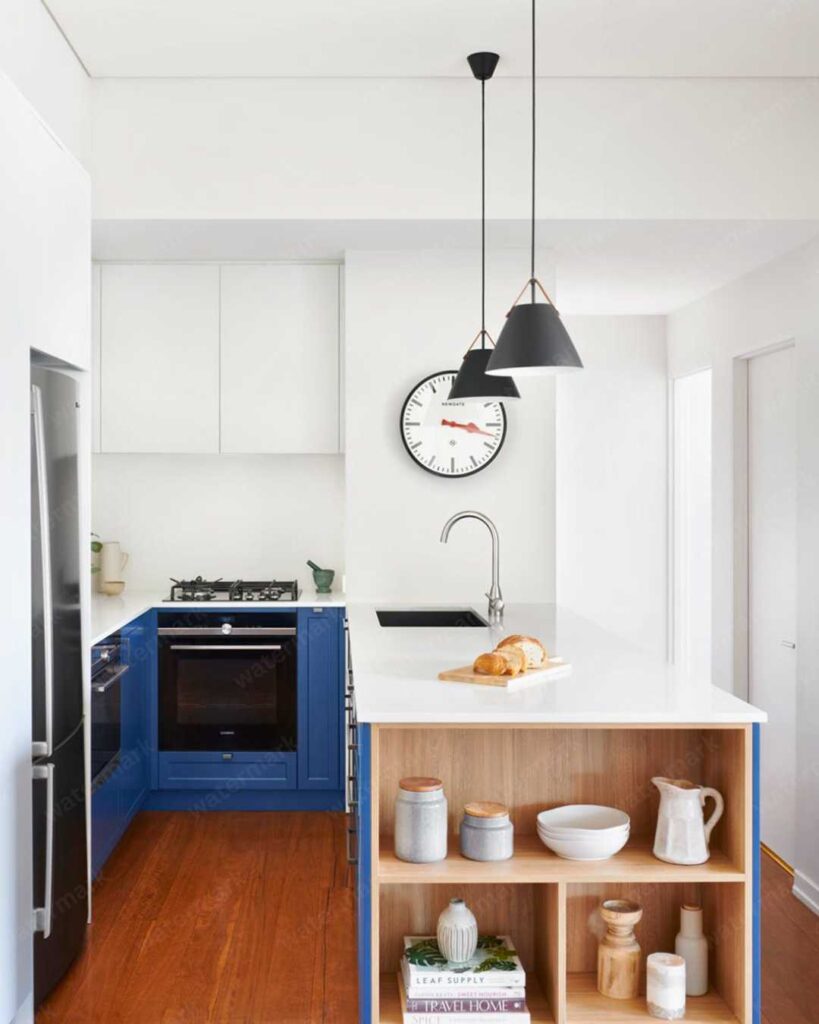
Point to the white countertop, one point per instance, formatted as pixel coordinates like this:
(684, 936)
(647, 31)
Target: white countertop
(396, 675)
(109, 614)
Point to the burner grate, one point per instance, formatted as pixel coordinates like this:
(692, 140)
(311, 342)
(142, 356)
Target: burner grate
(242, 591)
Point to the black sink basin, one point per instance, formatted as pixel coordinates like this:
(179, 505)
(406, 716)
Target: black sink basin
(432, 617)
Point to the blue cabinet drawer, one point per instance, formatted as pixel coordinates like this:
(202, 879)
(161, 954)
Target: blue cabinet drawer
(216, 770)
(106, 823)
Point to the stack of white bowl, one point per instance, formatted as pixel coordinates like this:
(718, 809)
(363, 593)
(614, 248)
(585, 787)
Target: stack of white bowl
(584, 831)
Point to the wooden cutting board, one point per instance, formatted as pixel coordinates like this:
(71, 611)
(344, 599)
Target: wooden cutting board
(556, 668)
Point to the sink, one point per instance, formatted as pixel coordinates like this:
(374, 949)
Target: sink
(430, 617)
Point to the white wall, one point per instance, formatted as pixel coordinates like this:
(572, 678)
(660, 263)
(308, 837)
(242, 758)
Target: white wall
(611, 543)
(221, 515)
(771, 305)
(389, 148)
(37, 59)
(691, 524)
(408, 315)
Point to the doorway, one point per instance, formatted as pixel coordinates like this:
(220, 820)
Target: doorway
(772, 547)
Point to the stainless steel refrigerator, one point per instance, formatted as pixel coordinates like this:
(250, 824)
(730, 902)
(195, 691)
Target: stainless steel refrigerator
(60, 873)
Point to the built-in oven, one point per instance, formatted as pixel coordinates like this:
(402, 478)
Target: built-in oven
(227, 681)
(109, 663)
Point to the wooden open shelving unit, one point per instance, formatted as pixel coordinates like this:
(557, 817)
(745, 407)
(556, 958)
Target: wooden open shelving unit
(546, 904)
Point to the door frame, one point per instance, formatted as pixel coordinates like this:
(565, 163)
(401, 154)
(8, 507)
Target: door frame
(742, 510)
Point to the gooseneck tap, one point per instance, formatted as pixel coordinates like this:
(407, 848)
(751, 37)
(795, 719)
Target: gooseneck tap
(495, 596)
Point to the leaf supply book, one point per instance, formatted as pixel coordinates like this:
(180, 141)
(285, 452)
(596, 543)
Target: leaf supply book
(495, 965)
(463, 1008)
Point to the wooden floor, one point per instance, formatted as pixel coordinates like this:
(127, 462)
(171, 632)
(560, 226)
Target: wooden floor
(790, 952)
(248, 919)
(236, 918)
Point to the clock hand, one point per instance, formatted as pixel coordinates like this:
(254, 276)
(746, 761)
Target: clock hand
(470, 428)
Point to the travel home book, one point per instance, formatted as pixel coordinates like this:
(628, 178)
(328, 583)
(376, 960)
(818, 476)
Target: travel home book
(495, 965)
(452, 1011)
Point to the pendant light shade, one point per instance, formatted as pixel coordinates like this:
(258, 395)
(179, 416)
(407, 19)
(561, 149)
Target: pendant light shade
(534, 341)
(472, 381)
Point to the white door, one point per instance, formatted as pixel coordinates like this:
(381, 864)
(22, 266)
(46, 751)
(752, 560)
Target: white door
(772, 586)
(692, 525)
(159, 340)
(280, 358)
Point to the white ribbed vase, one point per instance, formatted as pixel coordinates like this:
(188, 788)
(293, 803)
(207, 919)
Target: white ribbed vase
(457, 932)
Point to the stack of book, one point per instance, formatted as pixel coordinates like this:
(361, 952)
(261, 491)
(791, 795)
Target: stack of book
(490, 988)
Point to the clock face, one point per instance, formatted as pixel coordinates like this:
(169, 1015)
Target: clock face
(450, 438)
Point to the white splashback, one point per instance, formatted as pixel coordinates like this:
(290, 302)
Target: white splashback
(244, 516)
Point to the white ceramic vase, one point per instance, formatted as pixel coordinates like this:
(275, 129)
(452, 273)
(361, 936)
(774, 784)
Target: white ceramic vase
(457, 932)
(692, 946)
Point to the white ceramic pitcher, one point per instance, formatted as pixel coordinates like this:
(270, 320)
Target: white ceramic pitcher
(683, 835)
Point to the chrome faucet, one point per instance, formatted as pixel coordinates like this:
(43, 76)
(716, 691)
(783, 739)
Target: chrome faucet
(495, 596)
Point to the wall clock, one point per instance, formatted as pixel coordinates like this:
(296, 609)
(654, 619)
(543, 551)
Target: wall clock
(450, 438)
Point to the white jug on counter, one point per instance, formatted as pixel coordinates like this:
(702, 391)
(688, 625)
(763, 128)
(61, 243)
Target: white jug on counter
(683, 835)
(113, 561)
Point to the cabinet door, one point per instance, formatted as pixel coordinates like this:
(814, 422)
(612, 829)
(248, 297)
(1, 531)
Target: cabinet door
(133, 777)
(280, 358)
(319, 680)
(160, 358)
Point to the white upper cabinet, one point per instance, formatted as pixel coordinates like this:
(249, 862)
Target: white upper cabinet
(159, 357)
(280, 358)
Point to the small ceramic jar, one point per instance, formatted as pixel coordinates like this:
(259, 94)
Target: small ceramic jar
(665, 986)
(420, 820)
(486, 832)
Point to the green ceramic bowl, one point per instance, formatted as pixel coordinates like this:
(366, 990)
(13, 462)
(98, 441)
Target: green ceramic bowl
(323, 579)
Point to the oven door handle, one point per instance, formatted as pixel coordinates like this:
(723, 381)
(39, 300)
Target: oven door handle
(226, 647)
(193, 632)
(115, 678)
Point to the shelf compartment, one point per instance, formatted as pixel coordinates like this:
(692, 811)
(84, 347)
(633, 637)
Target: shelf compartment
(725, 927)
(536, 767)
(533, 916)
(533, 863)
(391, 1001)
(585, 1005)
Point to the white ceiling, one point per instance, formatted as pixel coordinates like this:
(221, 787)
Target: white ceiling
(602, 267)
(409, 38)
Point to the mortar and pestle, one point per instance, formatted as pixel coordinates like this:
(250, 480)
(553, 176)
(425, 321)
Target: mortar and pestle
(323, 578)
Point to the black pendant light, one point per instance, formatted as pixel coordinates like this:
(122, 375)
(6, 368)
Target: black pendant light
(472, 381)
(534, 341)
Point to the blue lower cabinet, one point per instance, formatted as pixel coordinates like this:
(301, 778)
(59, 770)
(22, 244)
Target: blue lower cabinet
(320, 700)
(217, 770)
(106, 823)
(115, 801)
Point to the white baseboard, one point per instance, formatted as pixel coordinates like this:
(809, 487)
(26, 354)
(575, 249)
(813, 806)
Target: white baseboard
(806, 891)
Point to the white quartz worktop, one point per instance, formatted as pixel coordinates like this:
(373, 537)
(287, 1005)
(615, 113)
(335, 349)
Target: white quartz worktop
(396, 675)
(109, 614)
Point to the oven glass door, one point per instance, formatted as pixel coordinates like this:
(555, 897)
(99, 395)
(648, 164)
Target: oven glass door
(227, 693)
(106, 719)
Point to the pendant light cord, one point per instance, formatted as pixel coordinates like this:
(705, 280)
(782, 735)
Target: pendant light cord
(483, 213)
(534, 137)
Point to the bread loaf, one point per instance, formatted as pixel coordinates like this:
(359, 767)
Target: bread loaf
(509, 662)
(491, 664)
(533, 650)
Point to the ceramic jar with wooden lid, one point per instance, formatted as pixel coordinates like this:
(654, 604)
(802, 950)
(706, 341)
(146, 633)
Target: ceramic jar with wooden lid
(486, 831)
(420, 820)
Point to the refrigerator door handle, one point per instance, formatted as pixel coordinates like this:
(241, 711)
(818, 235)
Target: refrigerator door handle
(44, 748)
(42, 915)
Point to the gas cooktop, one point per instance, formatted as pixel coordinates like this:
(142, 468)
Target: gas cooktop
(233, 590)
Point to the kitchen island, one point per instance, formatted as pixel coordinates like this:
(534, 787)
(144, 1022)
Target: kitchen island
(597, 735)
